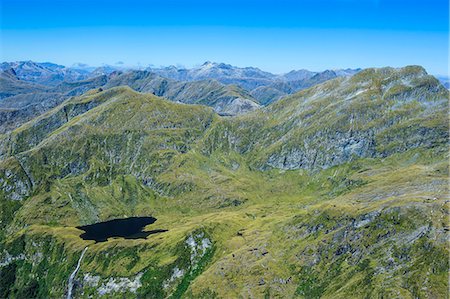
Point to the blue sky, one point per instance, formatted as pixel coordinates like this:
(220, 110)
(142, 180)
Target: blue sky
(274, 35)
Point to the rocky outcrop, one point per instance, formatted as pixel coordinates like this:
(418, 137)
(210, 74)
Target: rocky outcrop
(117, 284)
(238, 106)
(376, 113)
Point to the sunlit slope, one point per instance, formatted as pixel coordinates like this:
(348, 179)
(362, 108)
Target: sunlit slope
(339, 191)
(93, 140)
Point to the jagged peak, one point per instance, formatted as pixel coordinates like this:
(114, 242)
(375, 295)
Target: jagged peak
(208, 63)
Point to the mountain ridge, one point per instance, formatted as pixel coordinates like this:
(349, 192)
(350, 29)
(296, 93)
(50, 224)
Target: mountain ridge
(41, 86)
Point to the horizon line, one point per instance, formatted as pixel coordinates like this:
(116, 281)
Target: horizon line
(180, 66)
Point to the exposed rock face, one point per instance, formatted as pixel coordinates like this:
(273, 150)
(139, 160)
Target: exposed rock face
(33, 100)
(197, 247)
(343, 146)
(238, 106)
(15, 184)
(119, 284)
(20, 101)
(8, 259)
(177, 274)
(367, 115)
(267, 94)
(248, 78)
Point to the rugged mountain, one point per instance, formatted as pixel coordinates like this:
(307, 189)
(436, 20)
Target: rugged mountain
(210, 84)
(16, 110)
(80, 87)
(46, 73)
(106, 70)
(32, 100)
(225, 99)
(374, 113)
(247, 78)
(337, 191)
(298, 75)
(346, 72)
(263, 86)
(295, 81)
(11, 85)
(94, 107)
(269, 94)
(23, 100)
(12, 94)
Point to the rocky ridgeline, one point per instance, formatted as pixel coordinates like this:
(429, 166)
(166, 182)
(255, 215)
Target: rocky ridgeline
(375, 113)
(28, 89)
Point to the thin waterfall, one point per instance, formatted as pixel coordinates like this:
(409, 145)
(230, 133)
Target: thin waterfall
(74, 273)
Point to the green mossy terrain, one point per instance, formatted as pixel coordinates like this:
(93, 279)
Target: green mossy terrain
(338, 191)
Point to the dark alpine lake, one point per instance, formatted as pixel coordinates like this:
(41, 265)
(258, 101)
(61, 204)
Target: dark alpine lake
(128, 228)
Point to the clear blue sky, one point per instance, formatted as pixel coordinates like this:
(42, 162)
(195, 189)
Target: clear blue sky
(277, 35)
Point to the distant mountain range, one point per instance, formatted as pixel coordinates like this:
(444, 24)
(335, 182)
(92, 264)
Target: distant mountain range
(445, 80)
(31, 88)
(265, 87)
(27, 88)
(44, 73)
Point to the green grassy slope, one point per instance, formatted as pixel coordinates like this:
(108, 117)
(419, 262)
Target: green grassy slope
(375, 113)
(339, 191)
